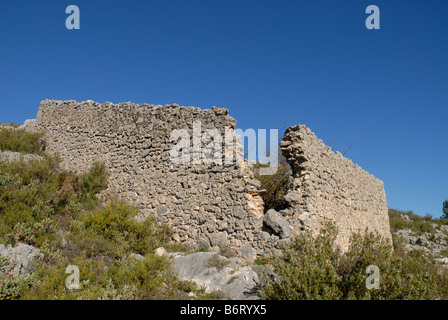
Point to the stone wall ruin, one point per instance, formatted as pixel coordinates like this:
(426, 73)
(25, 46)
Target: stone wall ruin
(208, 204)
(326, 186)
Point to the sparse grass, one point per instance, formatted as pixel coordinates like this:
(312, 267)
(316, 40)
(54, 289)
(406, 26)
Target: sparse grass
(216, 262)
(228, 252)
(232, 279)
(172, 246)
(216, 295)
(262, 261)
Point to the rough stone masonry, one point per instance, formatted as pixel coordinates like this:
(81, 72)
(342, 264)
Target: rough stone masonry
(208, 204)
(325, 186)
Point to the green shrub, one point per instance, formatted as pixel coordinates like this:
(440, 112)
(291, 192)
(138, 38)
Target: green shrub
(41, 204)
(92, 244)
(33, 234)
(306, 270)
(20, 140)
(12, 287)
(420, 227)
(116, 223)
(33, 191)
(95, 180)
(110, 292)
(396, 221)
(15, 288)
(262, 261)
(151, 278)
(416, 223)
(52, 276)
(313, 268)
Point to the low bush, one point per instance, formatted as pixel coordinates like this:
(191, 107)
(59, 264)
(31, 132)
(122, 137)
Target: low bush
(34, 193)
(416, 223)
(20, 140)
(149, 279)
(313, 268)
(59, 213)
(114, 230)
(95, 180)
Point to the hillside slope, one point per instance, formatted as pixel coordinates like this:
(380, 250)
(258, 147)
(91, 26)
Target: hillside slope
(54, 224)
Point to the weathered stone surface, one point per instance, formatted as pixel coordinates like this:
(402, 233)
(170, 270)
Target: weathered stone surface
(9, 156)
(277, 223)
(218, 239)
(325, 186)
(216, 202)
(434, 243)
(161, 252)
(247, 252)
(29, 125)
(235, 281)
(21, 258)
(305, 220)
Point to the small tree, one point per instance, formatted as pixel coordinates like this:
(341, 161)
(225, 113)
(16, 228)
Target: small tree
(445, 209)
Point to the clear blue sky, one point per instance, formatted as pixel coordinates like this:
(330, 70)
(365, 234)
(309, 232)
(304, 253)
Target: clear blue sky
(271, 63)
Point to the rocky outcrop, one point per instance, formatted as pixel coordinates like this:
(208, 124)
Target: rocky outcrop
(21, 258)
(278, 224)
(29, 125)
(434, 244)
(9, 156)
(325, 186)
(215, 273)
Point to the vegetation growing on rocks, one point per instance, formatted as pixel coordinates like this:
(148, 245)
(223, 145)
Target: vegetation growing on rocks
(59, 213)
(313, 268)
(20, 140)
